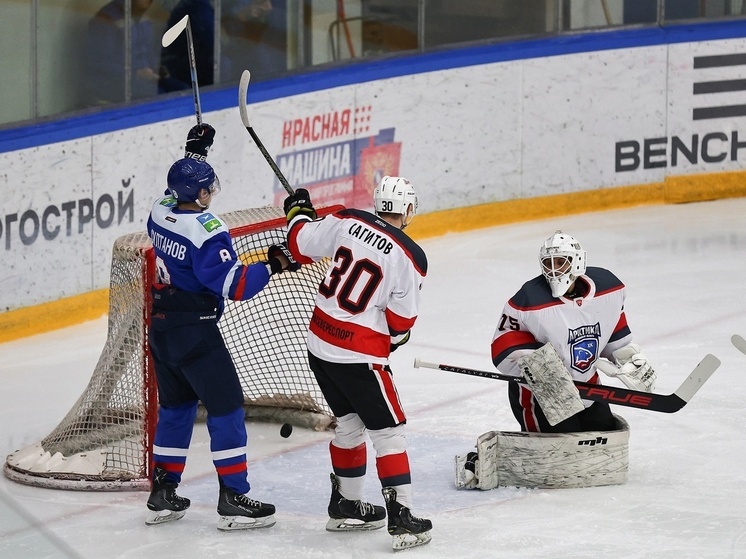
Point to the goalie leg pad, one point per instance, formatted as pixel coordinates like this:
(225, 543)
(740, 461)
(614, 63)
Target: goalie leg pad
(551, 383)
(550, 460)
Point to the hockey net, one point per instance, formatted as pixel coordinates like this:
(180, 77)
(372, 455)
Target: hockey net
(105, 440)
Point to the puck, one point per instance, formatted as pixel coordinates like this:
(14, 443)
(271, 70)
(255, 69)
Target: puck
(286, 430)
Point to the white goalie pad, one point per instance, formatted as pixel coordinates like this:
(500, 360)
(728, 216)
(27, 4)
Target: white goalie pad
(551, 383)
(548, 460)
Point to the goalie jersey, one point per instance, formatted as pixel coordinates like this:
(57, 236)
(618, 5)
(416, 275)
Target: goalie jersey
(371, 291)
(581, 329)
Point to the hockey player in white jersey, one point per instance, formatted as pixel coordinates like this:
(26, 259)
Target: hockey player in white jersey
(365, 308)
(579, 311)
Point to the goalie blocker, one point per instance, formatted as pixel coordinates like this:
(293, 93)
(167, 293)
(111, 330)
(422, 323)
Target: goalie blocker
(546, 460)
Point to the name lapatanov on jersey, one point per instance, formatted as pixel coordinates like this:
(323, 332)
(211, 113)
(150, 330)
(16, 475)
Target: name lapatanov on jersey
(168, 246)
(370, 237)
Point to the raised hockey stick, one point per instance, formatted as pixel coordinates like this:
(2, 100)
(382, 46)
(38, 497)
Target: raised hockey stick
(739, 342)
(169, 37)
(666, 403)
(243, 89)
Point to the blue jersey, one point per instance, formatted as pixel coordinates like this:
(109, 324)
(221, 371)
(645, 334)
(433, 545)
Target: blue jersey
(194, 253)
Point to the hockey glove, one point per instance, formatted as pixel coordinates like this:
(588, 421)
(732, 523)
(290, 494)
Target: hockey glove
(632, 368)
(275, 254)
(398, 341)
(198, 142)
(299, 204)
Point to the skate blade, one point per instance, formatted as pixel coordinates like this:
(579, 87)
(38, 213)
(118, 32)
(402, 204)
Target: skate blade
(407, 541)
(162, 516)
(231, 523)
(352, 525)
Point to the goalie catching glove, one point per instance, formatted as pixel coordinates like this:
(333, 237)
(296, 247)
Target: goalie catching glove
(632, 368)
(299, 204)
(275, 255)
(199, 141)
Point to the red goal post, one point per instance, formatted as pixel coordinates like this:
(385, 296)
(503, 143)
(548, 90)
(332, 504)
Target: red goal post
(105, 441)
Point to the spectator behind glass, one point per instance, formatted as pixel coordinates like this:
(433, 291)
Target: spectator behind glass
(106, 54)
(254, 38)
(175, 57)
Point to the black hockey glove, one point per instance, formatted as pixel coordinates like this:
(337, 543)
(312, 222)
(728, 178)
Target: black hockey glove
(398, 341)
(299, 203)
(273, 254)
(198, 142)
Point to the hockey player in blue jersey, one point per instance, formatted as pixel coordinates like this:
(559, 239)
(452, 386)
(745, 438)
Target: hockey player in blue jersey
(197, 270)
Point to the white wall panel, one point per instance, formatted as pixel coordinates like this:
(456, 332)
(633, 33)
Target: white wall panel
(577, 107)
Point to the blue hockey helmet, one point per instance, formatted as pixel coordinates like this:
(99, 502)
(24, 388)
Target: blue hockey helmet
(188, 176)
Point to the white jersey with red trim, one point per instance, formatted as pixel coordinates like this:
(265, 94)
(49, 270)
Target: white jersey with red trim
(371, 291)
(581, 329)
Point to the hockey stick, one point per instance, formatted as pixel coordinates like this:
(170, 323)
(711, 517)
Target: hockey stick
(169, 37)
(739, 342)
(666, 403)
(243, 89)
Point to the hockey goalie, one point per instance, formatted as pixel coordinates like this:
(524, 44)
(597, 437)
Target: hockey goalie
(564, 325)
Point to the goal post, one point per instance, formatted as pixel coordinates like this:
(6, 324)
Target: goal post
(105, 441)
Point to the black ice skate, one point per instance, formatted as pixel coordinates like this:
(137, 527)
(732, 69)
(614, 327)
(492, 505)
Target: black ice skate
(407, 530)
(164, 504)
(346, 515)
(238, 512)
(471, 462)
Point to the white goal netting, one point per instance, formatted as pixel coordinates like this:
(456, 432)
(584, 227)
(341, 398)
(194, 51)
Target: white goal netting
(105, 441)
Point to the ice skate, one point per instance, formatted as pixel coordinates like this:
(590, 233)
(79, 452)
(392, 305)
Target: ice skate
(164, 504)
(346, 515)
(239, 512)
(407, 530)
(470, 469)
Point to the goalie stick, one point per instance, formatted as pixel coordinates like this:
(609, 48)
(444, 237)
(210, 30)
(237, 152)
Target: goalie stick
(169, 37)
(243, 89)
(666, 403)
(739, 342)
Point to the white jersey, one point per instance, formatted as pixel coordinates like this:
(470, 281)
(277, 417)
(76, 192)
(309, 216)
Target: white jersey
(581, 330)
(371, 291)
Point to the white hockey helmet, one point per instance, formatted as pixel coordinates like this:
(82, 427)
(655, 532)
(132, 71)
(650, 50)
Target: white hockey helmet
(562, 260)
(396, 195)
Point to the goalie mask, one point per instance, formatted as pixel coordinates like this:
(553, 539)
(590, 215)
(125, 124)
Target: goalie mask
(562, 260)
(396, 195)
(188, 176)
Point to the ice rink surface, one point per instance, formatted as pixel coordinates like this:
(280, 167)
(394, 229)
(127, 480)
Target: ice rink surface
(685, 269)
